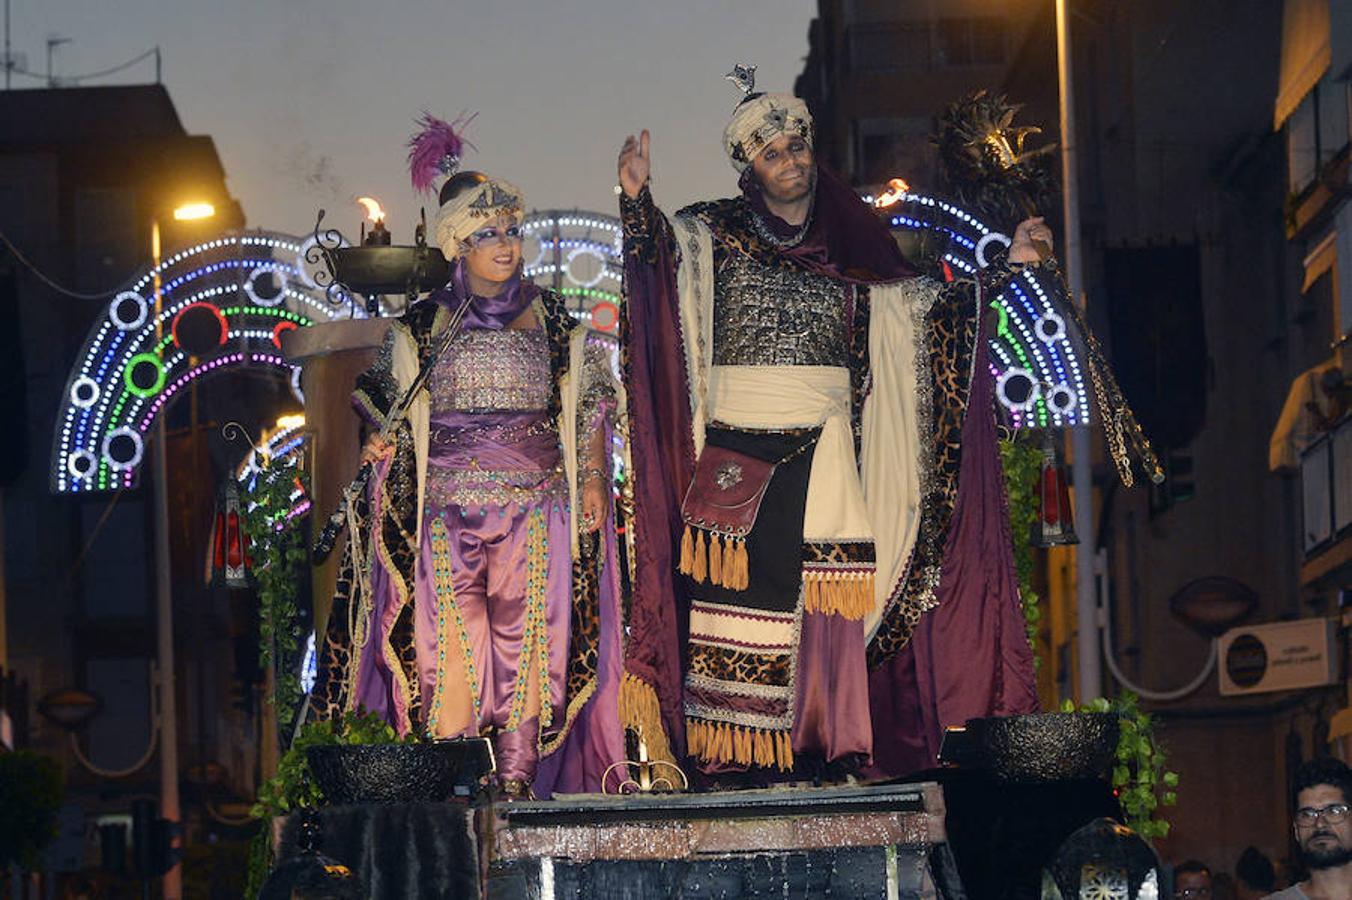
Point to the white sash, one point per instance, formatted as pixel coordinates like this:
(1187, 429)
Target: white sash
(765, 397)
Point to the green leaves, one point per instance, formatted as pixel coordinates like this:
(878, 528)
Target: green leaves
(1022, 465)
(277, 555)
(1142, 783)
(293, 787)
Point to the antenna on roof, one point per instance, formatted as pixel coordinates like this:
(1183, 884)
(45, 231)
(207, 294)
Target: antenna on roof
(53, 41)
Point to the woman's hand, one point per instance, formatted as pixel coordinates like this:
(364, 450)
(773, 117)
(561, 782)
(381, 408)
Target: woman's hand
(593, 503)
(376, 449)
(1027, 237)
(635, 165)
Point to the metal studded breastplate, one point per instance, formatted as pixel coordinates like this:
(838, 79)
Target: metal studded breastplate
(487, 370)
(767, 316)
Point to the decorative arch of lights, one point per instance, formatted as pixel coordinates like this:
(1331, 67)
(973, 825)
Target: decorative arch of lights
(581, 255)
(1034, 358)
(230, 299)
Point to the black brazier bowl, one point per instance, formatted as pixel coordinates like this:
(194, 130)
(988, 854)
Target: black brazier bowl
(396, 773)
(1044, 748)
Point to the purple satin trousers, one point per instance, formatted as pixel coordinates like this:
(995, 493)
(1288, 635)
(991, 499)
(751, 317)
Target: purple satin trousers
(473, 638)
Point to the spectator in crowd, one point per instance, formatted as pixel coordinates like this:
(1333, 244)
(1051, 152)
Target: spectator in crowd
(1192, 881)
(1323, 832)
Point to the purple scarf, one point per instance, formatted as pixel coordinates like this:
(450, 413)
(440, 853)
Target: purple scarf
(845, 240)
(491, 313)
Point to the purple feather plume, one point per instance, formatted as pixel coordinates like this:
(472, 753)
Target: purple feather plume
(435, 150)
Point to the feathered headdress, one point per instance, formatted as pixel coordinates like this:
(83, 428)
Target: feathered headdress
(985, 164)
(436, 149)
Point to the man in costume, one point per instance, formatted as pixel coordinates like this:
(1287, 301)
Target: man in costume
(479, 592)
(817, 486)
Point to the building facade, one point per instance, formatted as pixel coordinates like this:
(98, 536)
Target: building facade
(84, 172)
(1210, 263)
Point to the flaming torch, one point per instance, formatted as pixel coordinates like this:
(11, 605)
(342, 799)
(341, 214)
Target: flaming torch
(896, 189)
(379, 236)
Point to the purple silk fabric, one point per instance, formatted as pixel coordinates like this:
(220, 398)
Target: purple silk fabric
(831, 715)
(458, 439)
(662, 449)
(376, 683)
(969, 657)
(488, 569)
(493, 313)
(597, 737)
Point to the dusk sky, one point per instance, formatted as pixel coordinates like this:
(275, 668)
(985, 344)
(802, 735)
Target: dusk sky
(310, 103)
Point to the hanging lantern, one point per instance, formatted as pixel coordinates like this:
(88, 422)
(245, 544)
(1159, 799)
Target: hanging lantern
(1055, 523)
(1102, 861)
(230, 562)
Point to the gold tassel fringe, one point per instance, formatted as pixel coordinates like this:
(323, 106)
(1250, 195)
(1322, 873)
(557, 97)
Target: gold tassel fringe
(715, 559)
(640, 711)
(848, 594)
(737, 572)
(727, 743)
(719, 559)
(687, 552)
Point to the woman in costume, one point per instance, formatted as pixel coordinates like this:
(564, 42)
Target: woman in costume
(479, 593)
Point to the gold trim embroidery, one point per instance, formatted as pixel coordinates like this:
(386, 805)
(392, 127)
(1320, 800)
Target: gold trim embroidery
(535, 635)
(444, 584)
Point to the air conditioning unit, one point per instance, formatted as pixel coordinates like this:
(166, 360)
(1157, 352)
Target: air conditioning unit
(1278, 656)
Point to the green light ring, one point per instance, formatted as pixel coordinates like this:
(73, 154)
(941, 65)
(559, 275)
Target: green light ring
(1002, 330)
(160, 375)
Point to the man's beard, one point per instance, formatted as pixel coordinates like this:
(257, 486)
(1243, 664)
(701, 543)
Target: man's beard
(775, 195)
(1327, 857)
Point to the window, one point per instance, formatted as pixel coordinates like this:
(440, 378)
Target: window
(971, 42)
(106, 236)
(121, 731)
(886, 48)
(1159, 350)
(893, 148)
(1316, 132)
(1301, 146)
(113, 574)
(1331, 97)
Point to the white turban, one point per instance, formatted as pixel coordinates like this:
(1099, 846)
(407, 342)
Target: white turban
(760, 119)
(468, 211)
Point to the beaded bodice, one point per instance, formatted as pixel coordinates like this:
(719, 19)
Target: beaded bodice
(492, 371)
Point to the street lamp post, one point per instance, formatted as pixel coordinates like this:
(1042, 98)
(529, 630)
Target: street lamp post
(1089, 671)
(164, 609)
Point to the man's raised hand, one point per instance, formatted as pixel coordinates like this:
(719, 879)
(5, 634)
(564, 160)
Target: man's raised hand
(635, 164)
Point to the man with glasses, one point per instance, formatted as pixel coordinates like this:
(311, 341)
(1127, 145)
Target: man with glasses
(1323, 833)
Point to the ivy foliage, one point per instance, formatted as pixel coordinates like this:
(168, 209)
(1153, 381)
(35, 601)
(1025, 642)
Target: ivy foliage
(1022, 463)
(294, 787)
(277, 553)
(1142, 783)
